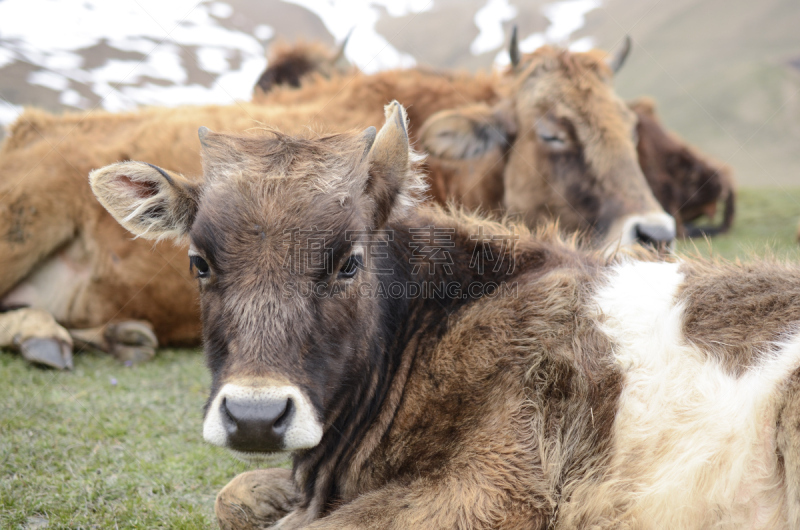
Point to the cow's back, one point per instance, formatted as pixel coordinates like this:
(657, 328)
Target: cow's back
(358, 98)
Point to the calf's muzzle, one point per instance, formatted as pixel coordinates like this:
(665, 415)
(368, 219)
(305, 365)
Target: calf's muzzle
(261, 416)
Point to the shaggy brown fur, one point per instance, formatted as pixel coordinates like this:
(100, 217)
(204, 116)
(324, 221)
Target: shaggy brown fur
(535, 374)
(687, 184)
(788, 441)
(738, 313)
(273, 491)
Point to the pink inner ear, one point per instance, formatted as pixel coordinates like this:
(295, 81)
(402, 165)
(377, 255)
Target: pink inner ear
(142, 189)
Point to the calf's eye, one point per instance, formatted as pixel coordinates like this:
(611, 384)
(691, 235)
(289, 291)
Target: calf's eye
(200, 265)
(351, 266)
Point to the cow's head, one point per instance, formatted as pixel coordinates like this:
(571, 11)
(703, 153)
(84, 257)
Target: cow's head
(276, 215)
(289, 64)
(570, 147)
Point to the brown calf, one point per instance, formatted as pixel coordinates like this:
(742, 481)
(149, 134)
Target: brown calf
(540, 387)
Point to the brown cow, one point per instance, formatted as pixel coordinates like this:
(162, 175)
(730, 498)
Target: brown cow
(71, 264)
(547, 139)
(687, 184)
(561, 119)
(538, 387)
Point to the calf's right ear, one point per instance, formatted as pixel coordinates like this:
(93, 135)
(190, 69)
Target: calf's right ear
(149, 201)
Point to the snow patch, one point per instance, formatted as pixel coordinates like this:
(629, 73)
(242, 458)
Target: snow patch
(566, 17)
(489, 20)
(162, 32)
(367, 49)
(9, 113)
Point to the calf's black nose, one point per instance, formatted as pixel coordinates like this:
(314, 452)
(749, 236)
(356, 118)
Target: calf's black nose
(655, 235)
(256, 427)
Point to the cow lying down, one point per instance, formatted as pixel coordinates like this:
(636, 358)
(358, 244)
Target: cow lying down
(526, 384)
(73, 277)
(688, 183)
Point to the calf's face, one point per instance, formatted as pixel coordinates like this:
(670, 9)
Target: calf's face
(570, 144)
(279, 233)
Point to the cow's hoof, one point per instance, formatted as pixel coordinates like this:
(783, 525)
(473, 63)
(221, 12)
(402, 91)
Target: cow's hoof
(47, 352)
(132, 341)
(256, 500)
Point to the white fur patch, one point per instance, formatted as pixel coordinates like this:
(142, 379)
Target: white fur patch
(694, 446)
(303, 432)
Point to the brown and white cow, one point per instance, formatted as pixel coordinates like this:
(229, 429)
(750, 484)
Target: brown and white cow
(543, 387)
(71, 268)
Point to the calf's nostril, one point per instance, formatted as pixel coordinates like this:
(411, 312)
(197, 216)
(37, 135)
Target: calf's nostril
(228, 421)
(283, 420)
(256, 425)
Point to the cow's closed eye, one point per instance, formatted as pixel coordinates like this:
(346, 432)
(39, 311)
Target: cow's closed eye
(196, 263)
(351, 266)
(552, 139)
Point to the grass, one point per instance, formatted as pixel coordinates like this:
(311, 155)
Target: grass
(107, 446)
(766, 224)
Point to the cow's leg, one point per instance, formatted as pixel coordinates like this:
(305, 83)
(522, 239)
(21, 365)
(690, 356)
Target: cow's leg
(788, 439)
(132, 340)
(37, 335)
(420, 506)
(463, 501)
(256, 499)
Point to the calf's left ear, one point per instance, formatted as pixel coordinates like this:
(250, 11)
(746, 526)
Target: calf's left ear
(393, 184)
(149, 201)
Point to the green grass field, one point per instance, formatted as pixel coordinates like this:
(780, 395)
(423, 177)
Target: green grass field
(108, 446)
(766, 224)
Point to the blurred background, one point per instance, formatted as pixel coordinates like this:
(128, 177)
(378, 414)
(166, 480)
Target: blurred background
(725, 73)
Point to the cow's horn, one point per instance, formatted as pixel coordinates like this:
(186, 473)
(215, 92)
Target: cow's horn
(513, 48)
(616, 62)
(343, 45)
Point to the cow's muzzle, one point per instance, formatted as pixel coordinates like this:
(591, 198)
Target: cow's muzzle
(256, 419)
(654, 229)
(256, 427)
